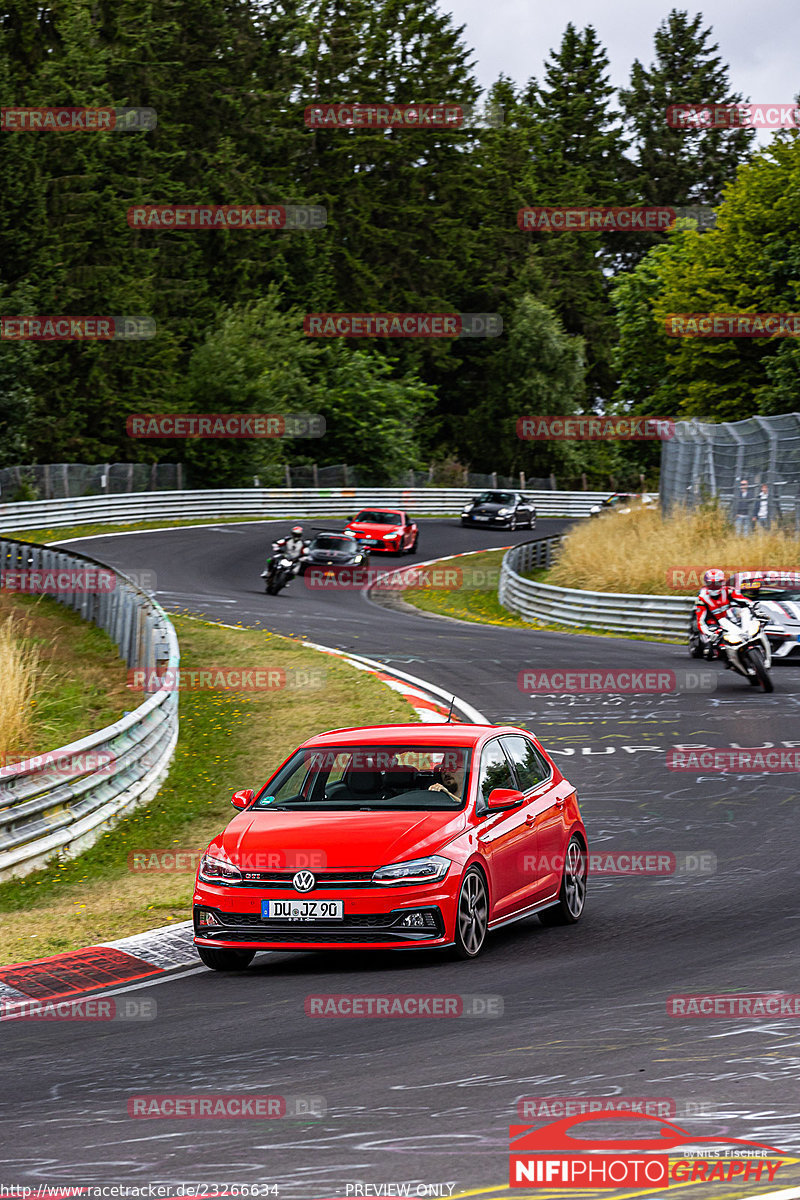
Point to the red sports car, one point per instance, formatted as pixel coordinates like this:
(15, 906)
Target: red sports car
(394, 836)
(385, 529)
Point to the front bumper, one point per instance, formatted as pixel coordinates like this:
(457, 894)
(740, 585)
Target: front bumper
(487, 519)
(372, 917)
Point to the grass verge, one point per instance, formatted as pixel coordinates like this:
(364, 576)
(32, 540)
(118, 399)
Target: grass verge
(640, 552)
(228, 740)
(79, 681)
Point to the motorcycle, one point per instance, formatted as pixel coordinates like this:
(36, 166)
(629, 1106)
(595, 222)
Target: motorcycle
(743, 645)
(279, 569)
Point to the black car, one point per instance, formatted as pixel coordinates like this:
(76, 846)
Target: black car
(329, 549)
(620, 502)
(512, 510)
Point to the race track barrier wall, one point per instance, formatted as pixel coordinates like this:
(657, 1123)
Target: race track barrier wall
(61, 802)
(269, 504)
(613, 612)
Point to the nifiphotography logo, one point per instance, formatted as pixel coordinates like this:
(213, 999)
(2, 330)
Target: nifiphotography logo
(552, 1156)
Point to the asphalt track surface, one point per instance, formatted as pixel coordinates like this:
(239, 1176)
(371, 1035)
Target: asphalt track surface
(428, 1101)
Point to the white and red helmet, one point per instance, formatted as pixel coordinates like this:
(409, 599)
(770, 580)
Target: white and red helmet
(714, 580)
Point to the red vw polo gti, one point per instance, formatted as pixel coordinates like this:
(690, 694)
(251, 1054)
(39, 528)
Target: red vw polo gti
(394, 836)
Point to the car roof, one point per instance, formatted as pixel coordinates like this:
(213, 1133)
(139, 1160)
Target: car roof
(450, 733)
(372, 508)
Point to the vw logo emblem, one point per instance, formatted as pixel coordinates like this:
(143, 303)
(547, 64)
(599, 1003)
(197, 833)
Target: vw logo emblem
(304, 881)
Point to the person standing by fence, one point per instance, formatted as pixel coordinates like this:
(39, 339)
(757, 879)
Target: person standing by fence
(743, 510)
(762, 509)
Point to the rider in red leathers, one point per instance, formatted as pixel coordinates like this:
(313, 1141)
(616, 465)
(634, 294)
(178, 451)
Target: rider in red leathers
(713, 601)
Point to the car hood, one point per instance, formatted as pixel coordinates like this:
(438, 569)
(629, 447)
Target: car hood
(490, 508)
(781, 612)
(337, 841)
(331, 555)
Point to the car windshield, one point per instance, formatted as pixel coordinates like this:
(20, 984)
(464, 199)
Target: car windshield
(426, 778)
(379, 518)
(496, 498)
(775, 593)
(329, 541)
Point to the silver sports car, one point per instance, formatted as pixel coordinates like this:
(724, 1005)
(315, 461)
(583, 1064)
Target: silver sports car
(778, 596)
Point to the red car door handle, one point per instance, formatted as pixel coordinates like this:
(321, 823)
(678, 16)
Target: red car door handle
(530, 819)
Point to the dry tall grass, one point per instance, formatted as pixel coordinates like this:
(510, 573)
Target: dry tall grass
(637, 552)
(19, 671)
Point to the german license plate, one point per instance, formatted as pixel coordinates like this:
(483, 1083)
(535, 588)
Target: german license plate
(480, 518)
(302, 910)
(372, 541)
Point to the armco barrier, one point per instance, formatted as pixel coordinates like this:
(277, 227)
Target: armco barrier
(267, 503)
(615, 612)
(62, 801)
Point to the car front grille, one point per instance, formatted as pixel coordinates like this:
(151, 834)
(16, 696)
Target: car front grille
(282, 880)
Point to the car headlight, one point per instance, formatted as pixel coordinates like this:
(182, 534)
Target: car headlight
(416, 870)
(218, 870)
(504, 512)
(466, 511)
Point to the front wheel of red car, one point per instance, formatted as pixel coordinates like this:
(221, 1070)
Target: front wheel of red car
(472, 915)
(572, 897)
(225, 960)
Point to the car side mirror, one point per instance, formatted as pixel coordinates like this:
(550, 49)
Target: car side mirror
(242, 799)
(503, 798)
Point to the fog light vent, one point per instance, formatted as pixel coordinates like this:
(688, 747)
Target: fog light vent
(204, 917)
(418, 920)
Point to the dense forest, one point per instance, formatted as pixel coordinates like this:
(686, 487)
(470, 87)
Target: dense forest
(418, 220)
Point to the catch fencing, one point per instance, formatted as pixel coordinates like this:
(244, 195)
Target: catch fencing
(613, 612)
(60, 802)
(55, 481)
(267, 504)
(709, 460)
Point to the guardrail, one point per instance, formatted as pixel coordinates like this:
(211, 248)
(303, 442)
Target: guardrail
(61, 802)
(614, 612)
(267, 503)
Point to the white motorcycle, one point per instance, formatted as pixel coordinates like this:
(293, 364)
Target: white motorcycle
(743, 645)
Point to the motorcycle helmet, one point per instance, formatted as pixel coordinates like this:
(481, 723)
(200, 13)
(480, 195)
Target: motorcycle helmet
(297, 530)
(714, 581)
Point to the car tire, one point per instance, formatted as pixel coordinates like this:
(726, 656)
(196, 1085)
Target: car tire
(412, 549)
(512, 524)
(225, 960)
(572, 896)
(472, 915)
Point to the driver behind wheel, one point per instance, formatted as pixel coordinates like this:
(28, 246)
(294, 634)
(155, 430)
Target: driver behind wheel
(449, 776)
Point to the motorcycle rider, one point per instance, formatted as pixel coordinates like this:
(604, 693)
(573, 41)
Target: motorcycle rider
(291, 547)
(713, 601)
